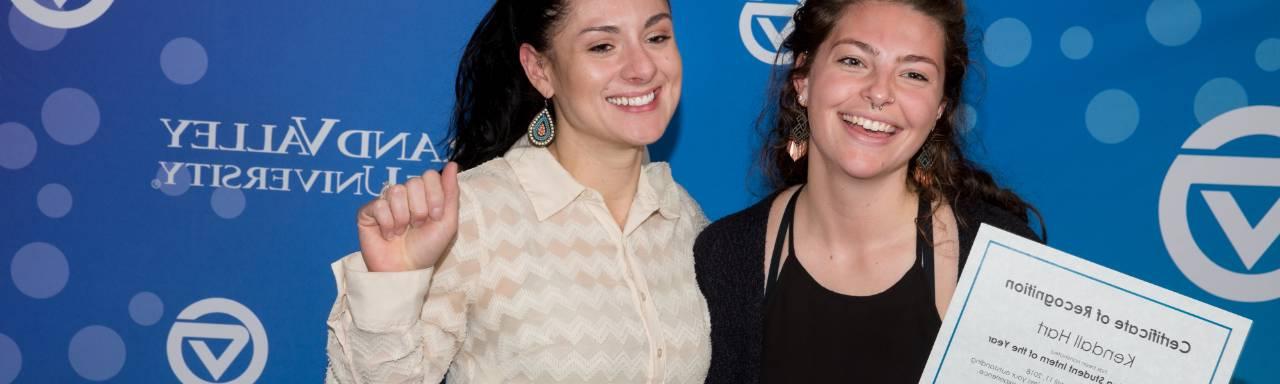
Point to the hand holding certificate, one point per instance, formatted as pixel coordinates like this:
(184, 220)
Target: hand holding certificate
(1027, 313)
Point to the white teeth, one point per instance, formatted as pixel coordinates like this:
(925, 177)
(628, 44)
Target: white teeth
(632, 101)
(870, 125)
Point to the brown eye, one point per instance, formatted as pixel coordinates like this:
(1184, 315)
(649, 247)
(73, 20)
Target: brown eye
(601, 48)
(851, 61)
(916, 76)
(659, 39)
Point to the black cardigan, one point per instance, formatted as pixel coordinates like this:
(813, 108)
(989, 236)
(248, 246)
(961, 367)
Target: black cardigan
(729, 260)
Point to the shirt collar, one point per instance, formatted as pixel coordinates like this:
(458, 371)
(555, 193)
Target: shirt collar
(658, 190)
(550, 188)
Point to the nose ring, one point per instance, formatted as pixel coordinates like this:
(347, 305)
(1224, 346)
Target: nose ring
(880, 107)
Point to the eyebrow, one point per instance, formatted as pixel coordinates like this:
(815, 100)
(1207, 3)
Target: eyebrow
(861, 45)
(917, 59)
(874, 52)
(653, 20)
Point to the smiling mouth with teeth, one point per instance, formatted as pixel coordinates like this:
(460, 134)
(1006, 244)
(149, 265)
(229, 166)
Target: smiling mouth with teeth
(870, 125)
(633, 101)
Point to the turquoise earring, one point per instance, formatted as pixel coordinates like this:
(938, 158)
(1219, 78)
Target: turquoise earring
(543, 129)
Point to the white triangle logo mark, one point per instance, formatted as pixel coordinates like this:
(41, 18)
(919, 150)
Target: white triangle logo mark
(1249, 241)
(764, 15)
(217, 365)
(771, 31)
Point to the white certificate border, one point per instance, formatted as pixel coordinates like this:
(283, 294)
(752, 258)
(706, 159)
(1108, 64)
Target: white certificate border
(964, 305)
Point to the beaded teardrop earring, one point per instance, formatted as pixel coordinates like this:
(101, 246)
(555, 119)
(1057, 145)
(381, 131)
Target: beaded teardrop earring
(542, 131)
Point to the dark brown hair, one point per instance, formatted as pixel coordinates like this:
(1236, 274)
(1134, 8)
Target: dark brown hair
(495, 100)
(950, 176)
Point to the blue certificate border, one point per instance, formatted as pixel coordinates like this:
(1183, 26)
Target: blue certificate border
(986, 251)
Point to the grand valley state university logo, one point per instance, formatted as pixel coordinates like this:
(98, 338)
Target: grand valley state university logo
(1222, 173)
(62, 18)
(774, 21)
(196, 334)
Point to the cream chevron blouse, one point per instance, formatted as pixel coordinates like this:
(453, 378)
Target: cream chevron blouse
(541, 286)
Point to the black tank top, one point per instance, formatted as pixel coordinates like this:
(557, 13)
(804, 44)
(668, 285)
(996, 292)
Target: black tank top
(815, 335)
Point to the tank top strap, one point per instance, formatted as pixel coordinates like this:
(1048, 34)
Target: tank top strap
(786, 234)
(784, 230)
(924, 245)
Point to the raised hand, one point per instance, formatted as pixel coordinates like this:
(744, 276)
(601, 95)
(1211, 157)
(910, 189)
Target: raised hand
(412, 224)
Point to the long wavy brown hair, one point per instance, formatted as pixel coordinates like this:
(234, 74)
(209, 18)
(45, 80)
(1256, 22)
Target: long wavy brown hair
(950, 176)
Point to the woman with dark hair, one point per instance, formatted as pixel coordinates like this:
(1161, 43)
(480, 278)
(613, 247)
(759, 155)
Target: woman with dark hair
(559, 253)
(847, 269)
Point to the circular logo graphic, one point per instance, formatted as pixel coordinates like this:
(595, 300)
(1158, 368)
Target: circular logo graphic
(766, 16)
(238, 335)
(58, 18)
(1249, 241)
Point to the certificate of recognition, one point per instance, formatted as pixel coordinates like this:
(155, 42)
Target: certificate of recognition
(1026, 313)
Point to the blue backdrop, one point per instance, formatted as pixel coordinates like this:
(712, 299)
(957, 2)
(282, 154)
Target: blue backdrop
(176, 176)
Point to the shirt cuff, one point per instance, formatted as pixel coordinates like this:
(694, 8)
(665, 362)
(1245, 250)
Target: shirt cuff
(379, 300)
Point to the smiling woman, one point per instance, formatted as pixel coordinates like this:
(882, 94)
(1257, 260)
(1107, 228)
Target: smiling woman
(851, 264)
(559, 254)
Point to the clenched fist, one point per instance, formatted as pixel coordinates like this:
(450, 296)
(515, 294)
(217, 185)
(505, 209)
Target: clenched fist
(412, 224)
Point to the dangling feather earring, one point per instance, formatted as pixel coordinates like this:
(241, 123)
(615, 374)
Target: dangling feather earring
(798, 143)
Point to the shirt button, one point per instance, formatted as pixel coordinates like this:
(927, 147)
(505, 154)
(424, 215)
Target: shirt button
(643, 297)
(659, 353)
